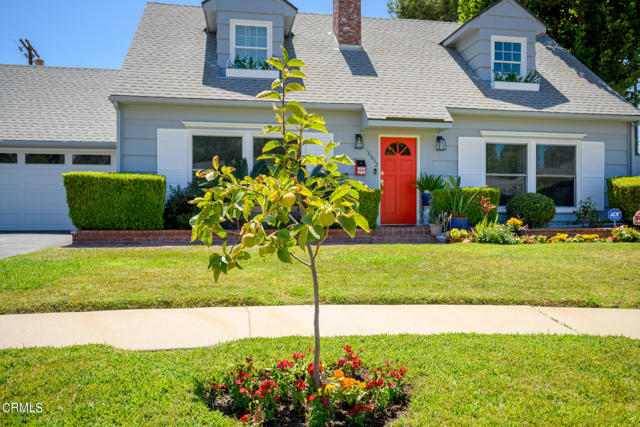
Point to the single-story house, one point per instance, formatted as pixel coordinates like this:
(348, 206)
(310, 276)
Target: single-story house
(404, 96)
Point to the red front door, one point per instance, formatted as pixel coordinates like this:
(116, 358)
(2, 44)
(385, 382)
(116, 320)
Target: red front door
(398, 173)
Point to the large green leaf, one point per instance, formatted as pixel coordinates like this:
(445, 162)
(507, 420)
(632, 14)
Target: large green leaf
(348, 224)
(284, 255)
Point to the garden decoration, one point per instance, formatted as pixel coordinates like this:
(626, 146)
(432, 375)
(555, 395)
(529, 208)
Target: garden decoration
(321, 201)
(352, 392)
(636, 219)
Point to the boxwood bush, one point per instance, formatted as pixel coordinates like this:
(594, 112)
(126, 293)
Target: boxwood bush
(177, 210)
(115, 201)
(534, 209)
(440, 202)
(370, 206)
(624, 194)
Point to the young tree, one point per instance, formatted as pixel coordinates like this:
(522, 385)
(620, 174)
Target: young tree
(293, 214)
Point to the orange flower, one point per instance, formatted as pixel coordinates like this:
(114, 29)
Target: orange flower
(348, 382)
(338, 373)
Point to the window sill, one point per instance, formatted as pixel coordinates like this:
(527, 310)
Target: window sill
(252, 74)
(531, 87)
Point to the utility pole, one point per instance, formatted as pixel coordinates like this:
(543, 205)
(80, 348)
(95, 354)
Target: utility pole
(31, 51)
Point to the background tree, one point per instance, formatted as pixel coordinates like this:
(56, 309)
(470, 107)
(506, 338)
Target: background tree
(433, 10)
(284, 214)
(603, 34)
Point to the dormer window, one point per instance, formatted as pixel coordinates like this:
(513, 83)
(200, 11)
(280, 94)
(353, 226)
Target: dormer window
(508, 55)
(251, 41)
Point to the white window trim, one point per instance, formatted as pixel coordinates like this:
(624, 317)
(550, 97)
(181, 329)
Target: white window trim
(232, 35)
(523, 52)
(247, 144)
(531, 164)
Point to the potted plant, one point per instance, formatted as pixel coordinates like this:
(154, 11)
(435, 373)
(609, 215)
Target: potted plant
(458, 204)
(426, 184)
(436, 222)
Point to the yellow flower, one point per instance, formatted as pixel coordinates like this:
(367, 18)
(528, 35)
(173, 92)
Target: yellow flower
(327, 389)
(338, 373)
(348, 382)
(362, 384)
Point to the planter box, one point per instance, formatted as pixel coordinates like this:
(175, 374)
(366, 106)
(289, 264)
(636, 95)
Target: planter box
(531, 87)
(252, 74)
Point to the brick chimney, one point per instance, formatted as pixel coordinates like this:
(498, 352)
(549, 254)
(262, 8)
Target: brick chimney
(346, 22)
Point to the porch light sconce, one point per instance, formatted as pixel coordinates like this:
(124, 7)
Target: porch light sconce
(359, 145)
(441, 143)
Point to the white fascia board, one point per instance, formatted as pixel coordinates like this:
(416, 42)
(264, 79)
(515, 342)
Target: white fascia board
(190, 124)
(542, 114)
(516, 134)
(228, 102)
(367, 123)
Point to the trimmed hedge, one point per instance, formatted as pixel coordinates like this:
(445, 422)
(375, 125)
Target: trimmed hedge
(115, 201)
(370, 206)
(440, 202)
(624, 194)
(534, 209)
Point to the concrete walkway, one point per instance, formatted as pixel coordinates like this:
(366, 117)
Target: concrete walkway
(159, 329)
(23, 243)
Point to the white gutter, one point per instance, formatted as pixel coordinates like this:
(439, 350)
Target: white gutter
(544, 114)
(58, 144)
(226, 102)
(405, 124)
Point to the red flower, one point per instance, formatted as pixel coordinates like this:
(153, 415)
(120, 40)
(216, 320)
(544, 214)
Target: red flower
(300, 385)
(249, 360)
(387, 363)
(219, 386)
(311, 397)
(325, 401)
(310, 368)
(284, 365)
(297, 356)
(341, 362)
(245, 418)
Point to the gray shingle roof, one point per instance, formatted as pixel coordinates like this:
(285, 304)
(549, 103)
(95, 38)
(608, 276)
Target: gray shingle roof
(403, 71)
(56, 104)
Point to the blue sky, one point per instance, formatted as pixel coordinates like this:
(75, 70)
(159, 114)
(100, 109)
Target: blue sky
(93, 33)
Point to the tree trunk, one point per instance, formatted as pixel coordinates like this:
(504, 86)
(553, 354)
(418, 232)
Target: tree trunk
(316, 318)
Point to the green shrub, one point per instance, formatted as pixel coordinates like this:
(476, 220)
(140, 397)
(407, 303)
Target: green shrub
(177, 210)
(115, 201)
(625, 234)
(440, 201)
(496, 234)
(369, 206)
(535, 210)
(624, 194)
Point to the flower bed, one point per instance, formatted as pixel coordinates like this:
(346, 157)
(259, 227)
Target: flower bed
(285, 394)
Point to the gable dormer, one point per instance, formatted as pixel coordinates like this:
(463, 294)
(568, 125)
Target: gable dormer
(499, 45)
(250, 31)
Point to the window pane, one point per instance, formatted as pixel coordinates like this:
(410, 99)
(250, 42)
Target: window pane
(251, 36)
(8, 158)
(555, 160)
(227, 148)
(498, 46)
(51, 159)
(509, 186)
(516, 47)
(251, 53)
(561, 190)
(506, 158)
(497, 66)
(515, 68)
(91, 159)
(507, 56)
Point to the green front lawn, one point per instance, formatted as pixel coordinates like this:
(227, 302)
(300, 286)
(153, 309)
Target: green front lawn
(69, 279)
(457, 379)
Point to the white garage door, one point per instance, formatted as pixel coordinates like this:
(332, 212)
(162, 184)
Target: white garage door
(32, 196)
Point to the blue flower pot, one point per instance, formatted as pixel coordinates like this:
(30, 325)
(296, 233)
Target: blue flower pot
(459, 222)
(426, 196)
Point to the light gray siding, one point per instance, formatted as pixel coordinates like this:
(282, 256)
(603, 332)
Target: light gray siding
(141, 122)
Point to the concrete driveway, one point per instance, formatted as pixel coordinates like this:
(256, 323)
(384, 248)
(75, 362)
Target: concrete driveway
(23, 243)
